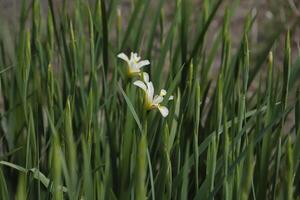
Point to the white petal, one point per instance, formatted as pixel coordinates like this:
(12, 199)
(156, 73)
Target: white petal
(171, 98)
(157, 99)
(132, 56)
(150, 90)
(133, 65)
(163, 110)
(123, 57)
(163, 92)
(141, 85)
(135, 57)
(143, 63)
(146, 77)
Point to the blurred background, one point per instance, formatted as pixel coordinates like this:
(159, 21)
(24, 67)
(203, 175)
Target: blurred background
(272, 17)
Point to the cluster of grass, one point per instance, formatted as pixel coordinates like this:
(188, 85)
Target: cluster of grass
(73, 126)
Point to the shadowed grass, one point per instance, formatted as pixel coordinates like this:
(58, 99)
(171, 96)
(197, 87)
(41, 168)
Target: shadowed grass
(73, 125)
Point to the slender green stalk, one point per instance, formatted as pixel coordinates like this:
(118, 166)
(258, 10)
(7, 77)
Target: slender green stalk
(216, 119)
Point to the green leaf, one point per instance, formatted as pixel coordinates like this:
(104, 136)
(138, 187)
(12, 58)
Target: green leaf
(35, 173)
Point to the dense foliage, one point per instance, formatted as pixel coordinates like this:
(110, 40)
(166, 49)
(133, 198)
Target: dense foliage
(74, 124)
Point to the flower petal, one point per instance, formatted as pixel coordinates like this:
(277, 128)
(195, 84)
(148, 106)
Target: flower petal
(141, 85)
(134, 57)
(145, 77)
(123, 56)
(163, 110)
(157, 99)
(163, 92)
(143, 63)
(150, 90)
(133, 65)
(171, 97)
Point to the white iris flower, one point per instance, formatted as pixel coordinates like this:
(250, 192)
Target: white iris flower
(134, 63)
(151, 101)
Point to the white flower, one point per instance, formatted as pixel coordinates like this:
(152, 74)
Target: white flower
(134, 63)
(151, 101)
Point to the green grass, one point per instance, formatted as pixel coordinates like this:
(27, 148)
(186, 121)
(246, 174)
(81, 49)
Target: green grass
(73, 125)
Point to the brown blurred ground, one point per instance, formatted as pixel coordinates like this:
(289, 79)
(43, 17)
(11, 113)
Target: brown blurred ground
(271, 15)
